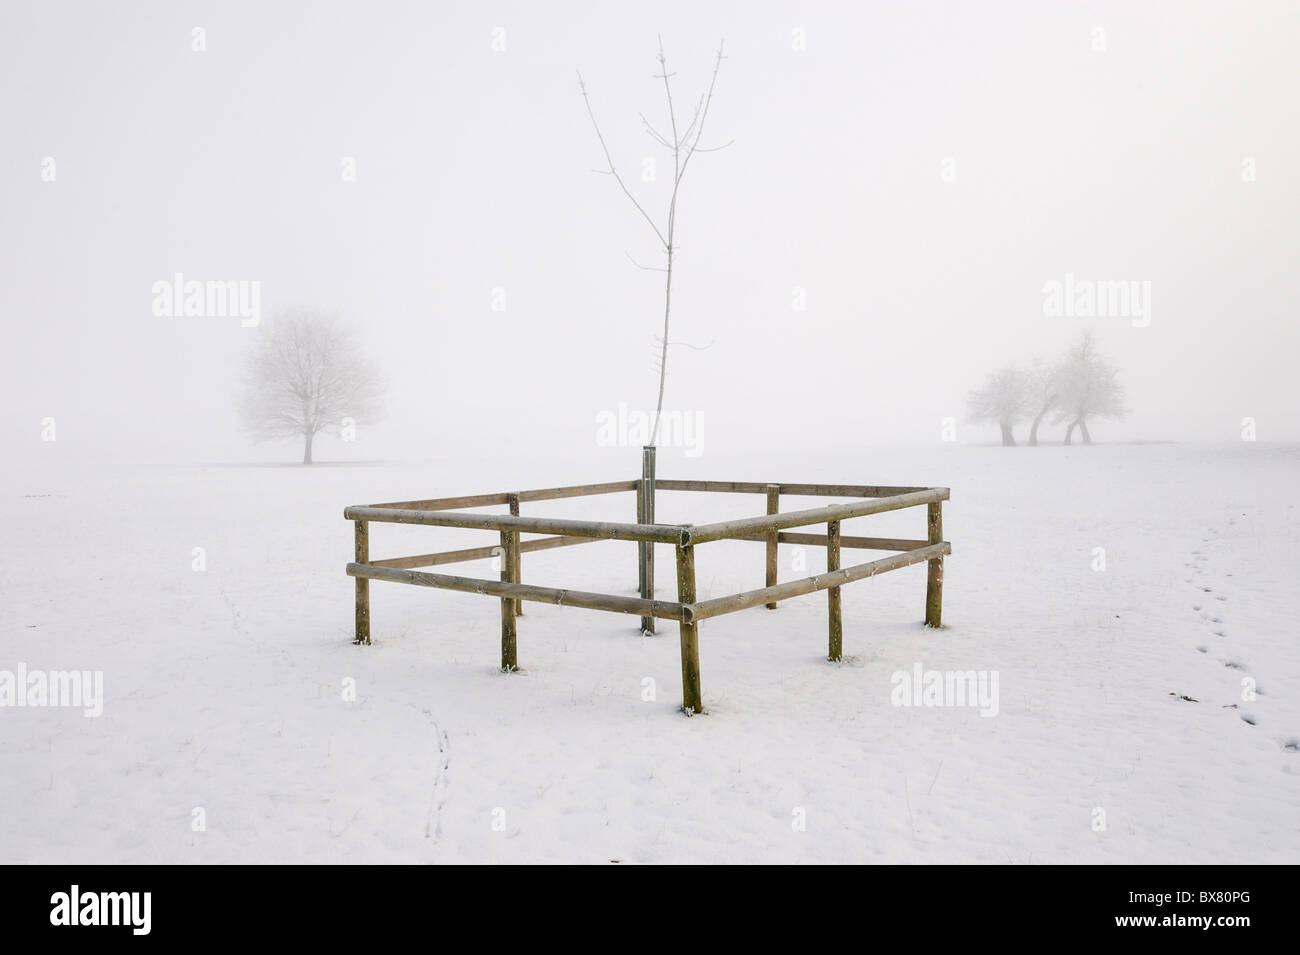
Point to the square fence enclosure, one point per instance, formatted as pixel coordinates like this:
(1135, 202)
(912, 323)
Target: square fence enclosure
(771, 528)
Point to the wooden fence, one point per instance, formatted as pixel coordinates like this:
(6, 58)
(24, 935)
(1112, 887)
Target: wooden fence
(773, 528)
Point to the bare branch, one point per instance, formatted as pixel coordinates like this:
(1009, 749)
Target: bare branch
(659, 341)
(654, 133)
(672, 115)
(686, 133)
(704, 113)
(609, 159)
(659, 139)
(648, 268)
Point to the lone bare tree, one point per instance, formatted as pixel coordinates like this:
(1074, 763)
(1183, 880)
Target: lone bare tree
(1089, 388)
(683, 143)
(1004, 397)
(306, 375)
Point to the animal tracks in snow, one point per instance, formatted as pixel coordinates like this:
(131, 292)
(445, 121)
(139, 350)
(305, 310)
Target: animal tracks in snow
(438, 792)
(1213, 617)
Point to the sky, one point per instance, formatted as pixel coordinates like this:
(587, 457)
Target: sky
(903, 180)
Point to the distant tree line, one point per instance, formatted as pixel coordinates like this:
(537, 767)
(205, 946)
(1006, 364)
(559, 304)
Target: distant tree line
(1083, 385)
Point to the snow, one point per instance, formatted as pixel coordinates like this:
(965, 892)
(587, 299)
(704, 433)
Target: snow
(225, 687)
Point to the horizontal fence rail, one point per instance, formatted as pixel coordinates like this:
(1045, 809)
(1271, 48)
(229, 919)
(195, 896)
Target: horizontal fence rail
(722, 530)
(600, 530)
(790, 490)
(488, 500)
(478, 553)
(851, 543)
(494, 588)
(797, 588)
(449, 503)
(771, 528)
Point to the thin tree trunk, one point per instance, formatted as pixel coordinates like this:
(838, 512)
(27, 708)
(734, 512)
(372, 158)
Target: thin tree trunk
(306, 448)
(663, 349)
(1083, 430)
(1008, 437)
(1033, 429)
(1069, 432)
(683, 149)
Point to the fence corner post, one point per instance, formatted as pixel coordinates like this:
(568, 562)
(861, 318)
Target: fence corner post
(934, 580)
(692, 699)
(513, 500)
(510, 552)
(773, 507)
(645, 499)
(836, 651)
(361, 537)
(640, 545)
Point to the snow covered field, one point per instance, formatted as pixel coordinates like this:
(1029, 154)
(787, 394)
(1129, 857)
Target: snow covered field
(224, 687)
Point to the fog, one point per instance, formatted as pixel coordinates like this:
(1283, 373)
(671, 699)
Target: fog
(912, 175)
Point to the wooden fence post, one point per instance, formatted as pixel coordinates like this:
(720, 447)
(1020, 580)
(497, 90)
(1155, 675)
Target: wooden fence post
(518, 577)
(510, 553)
(773, 506)
(640, 545)
(692, 701)
(934, 581)
(646, 515)
(361, 536)
(833, 593)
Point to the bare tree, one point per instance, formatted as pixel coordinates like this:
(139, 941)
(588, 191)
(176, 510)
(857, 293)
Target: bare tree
(306, 375)
(1004, 398)
(1044, 388)
(683, 143)
(1089, 388)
